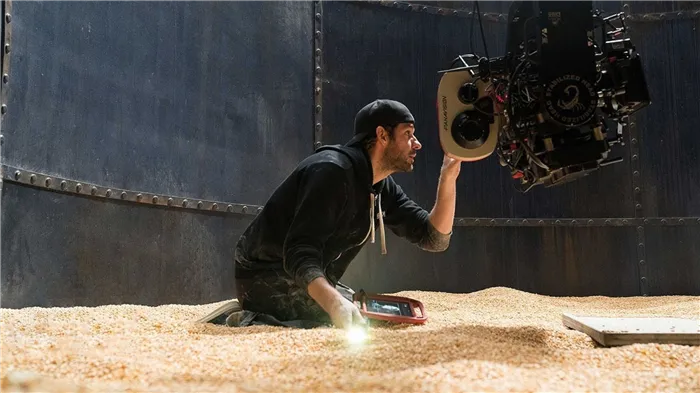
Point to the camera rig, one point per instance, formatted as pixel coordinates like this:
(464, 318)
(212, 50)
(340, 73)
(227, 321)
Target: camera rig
(554, 105)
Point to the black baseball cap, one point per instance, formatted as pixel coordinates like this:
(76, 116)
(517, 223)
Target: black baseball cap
(381, 112)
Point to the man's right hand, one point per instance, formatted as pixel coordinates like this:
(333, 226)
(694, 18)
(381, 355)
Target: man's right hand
(344, 314)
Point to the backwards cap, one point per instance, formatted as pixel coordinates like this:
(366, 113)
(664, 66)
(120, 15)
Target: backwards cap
(382, 112)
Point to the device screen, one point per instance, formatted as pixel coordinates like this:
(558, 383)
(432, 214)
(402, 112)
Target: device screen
(388, 307)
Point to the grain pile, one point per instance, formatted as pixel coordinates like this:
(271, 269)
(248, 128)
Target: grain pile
(493, 340)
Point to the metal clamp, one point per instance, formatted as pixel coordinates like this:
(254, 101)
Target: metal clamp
(63, 185)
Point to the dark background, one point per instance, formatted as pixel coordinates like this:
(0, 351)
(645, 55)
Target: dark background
(219, 100)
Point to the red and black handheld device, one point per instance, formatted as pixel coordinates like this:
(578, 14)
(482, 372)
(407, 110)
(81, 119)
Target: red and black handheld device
(394, 309)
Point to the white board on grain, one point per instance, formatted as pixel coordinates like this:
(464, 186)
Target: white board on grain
(610, 332)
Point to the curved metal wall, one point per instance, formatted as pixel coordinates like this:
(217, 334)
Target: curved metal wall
(624, 230)
(163, 126)
(204, 101)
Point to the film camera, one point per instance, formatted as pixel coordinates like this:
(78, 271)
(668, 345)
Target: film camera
(554, 105)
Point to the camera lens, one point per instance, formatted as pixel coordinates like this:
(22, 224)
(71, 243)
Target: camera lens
(468, 93)
(469, 130)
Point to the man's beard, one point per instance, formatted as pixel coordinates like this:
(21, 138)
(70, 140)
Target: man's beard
(395, 161)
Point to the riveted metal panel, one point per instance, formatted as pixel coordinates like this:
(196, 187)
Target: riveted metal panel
(203, 100)
(669, 140)
(557, 261)
(140, 139)
(66, 250)
(373, 51)
(672, 262)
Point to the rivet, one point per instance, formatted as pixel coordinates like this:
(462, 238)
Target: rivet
(108, 193)
(540, 222)
(318, 126)
(170, 201)
(640, 228)
(454, 12)
(646, 220)
(318, 52)
(663, 221)
(493, 221)
(155, 199)
(508, 221)
(93, 190)
(590, 222)
(229, 208)
(138, 197)
(681, 221)
(698, 220)
(635, 173)
(607, 222)
(18, 174)
(524, 221)
(317, 144)
(640, 245)
(439, 11)
(318, 69)
(318, 16)
(574, 222)
(63, 185)
(123, 195)
(644, 278)
(5, 78)
(460, 221)
(634, 141)
(47, 181)
(638, 206)
(184, 203)
(214, 207)
(7, 48)
(199, 205)
(3, 109)
(318, 108)
(260, 209)
(8, 18)
(624, 221)
(637, 189)
(32, 178)
(557, 222)
(78, 187)
(318, 90)
(634, 156)
(244, 209)
(318, 33)
(641, 261)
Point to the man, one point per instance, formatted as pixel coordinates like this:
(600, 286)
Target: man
(290, 259)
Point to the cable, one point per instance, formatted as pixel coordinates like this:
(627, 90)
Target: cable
(481, 26)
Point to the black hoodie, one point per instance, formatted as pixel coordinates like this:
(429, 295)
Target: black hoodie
(318, 219)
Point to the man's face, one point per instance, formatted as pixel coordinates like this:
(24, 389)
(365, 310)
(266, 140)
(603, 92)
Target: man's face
(400, 153)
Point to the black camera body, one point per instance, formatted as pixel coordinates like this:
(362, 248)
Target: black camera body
(555, 104)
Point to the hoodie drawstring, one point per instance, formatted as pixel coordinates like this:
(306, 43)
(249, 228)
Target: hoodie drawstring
(380, 216)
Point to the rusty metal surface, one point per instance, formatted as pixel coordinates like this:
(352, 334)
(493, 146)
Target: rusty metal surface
(81, 188)
(64, 250)
(177, 98)
(672, 262)
(497, 11)
(208, 101)
(551, 261)
(668, 131)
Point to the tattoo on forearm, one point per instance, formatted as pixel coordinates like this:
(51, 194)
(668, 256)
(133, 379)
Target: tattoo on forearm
(434, 240)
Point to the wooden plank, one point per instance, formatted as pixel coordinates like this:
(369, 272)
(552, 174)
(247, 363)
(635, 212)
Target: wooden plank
(610, 332)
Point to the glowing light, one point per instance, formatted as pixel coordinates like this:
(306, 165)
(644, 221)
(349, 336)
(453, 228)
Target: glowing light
(356, 335)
